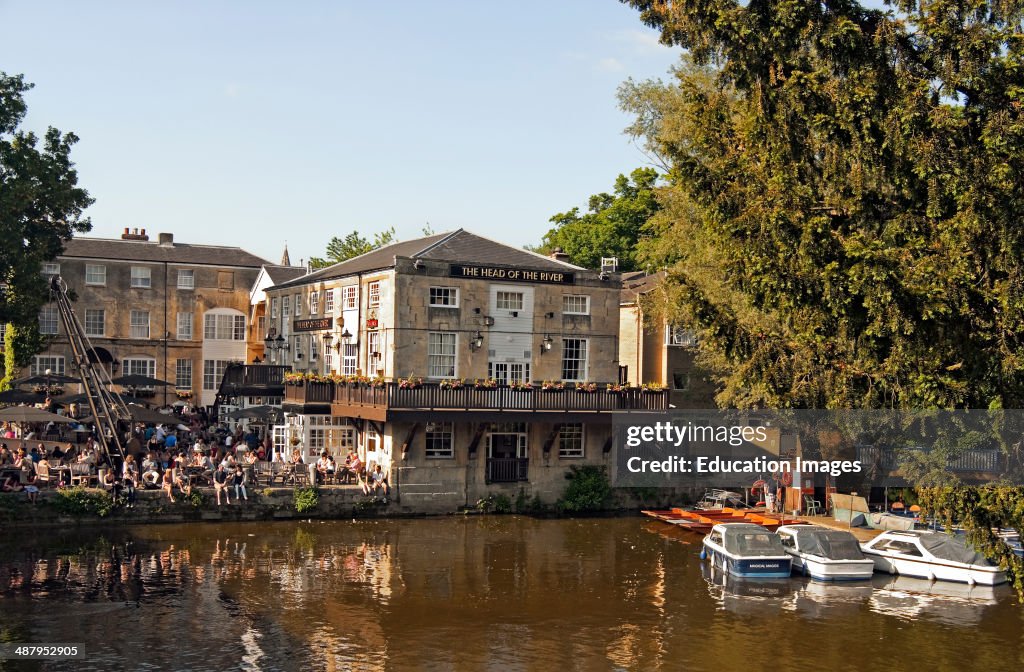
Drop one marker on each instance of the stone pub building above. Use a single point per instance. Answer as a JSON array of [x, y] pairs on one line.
[[431, 357]]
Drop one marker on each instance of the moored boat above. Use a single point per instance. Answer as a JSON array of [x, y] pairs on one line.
[[747, 550], [931, 555], [825, 554]]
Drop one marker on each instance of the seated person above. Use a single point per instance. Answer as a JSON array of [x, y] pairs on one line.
[[378, 480], [168, 483], [150, 472], [321, 468]]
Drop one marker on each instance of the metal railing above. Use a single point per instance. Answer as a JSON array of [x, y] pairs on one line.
[[507, 469]]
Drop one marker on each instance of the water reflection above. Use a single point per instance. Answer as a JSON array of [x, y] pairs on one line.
[[466, 594]]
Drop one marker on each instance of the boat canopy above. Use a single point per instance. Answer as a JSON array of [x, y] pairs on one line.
[[746, 540], [945, 547], [831, 544]]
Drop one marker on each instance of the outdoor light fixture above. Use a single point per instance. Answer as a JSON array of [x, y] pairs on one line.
[[488, 321], [545, 345], [346, 336], [282, 342], [477, 342]]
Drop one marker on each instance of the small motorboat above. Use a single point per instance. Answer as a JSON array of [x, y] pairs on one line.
[[935, 556], [747, 550], [825, 554]]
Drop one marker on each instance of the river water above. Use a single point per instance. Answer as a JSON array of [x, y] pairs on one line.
[[478, 593]]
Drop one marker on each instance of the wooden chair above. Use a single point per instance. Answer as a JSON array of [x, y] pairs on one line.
[[81, 474], [300, 476], [43, 475]]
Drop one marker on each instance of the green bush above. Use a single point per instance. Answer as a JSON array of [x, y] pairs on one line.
[[78, 501], [588, 490], [196, 499], [502, 504], [306, 499]]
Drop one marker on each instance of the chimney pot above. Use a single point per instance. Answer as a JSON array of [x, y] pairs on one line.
[[166, 239]]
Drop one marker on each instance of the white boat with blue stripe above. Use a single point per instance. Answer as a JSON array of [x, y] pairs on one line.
[[747, 550], [825, 554]]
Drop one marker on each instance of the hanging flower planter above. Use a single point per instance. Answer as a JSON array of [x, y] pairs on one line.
[[586, 388], [552, 386]]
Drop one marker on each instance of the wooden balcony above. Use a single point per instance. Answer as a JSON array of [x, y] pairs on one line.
[[262, 380], [433, 402]]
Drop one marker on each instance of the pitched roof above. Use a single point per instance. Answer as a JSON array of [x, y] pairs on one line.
[[153, 251], [279, 274], [636, 283], [456, 246]]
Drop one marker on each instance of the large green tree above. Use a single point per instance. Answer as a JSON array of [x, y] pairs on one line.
[[842, 221], [41, 207], [352, 245], [611, 227], [841, 225]]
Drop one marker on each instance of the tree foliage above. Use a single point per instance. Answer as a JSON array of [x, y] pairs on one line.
[[41, 207], [841, 222], [352, 245], [611, 227]]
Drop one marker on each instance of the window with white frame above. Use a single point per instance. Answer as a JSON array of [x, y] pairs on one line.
[[373, 294], [95, 322], [139, 324], [329, 301], [42, 363], [317, 440], [297, 348], [221, 327], [441, 354], [298, 305], [213, 372], [350, 297], [439, 444], [348, 362], [273, 306], [183, 374], [680, 336], [95, 274], [48, 320], [314, 303], [186, 278], [184, 326], [141, 277], [314, 352], [372, 444], [328, 360], [50, 268], [509, 300], [373, 353], [286, 307], [570, 440], [574, 359], [346, 437], [139, 366], [444, 297], [576, 304]]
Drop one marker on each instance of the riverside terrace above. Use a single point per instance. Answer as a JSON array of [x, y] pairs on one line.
[[384, 401]]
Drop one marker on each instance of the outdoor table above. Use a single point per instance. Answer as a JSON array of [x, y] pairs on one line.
[[59, 472]]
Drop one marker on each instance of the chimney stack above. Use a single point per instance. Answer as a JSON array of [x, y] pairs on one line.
[[609, 264], [166, 239], [134, 234], [558, 255]]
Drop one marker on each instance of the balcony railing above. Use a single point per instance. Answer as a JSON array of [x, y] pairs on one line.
[[255, 375], [434, 397], [507, 470]]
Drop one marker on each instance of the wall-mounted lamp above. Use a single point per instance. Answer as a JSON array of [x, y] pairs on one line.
[[477, 341], [545, 345], [488, 321]]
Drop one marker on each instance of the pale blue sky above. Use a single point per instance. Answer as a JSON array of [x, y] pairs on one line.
[[249, 123]]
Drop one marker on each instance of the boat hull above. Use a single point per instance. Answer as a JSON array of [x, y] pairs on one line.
[[936, 571], [760, 567], [833, 570]]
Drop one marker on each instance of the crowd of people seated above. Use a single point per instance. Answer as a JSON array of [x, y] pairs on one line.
[[174, 457]]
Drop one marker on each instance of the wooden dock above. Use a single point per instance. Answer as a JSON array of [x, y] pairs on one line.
[[862, 533]]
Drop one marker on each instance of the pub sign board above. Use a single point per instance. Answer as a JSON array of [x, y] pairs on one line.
[[510, 274], [315, 324]]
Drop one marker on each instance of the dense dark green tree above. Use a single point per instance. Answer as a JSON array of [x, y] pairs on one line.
[[842, 221], [841, 226], [41, 207], [612, 225], [352, 245]]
